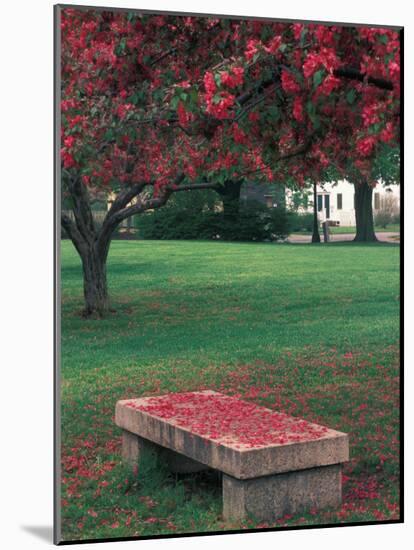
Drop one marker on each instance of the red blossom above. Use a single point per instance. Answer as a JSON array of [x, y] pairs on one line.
[[74, 121], [289, 83], [238, 134], [394, 70], [365, 145], [233, 79], [297, 30], [219, 108], [123, 109], [298, 113], [67, 159], [387, 134], [329, 84], [251, 50], [183, 115], [69, 141], [253, 116], [210, 84], [326, 58], [274, 45]]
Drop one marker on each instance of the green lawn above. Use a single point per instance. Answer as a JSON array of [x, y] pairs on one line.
[[309, 330], [392, 228]]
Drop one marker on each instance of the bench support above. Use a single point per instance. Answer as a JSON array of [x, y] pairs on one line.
[[134, 446], [271, 497]]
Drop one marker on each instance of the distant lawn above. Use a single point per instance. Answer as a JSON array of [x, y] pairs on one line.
[[309, 330], [349, 229], [392, 228]]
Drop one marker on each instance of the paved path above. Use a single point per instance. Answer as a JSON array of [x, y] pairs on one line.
[[381, 236]]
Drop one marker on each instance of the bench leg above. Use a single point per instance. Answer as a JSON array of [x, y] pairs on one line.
[[271, 497], [134, 446]]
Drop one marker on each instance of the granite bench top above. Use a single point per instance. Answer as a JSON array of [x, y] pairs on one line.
[[237, 437]]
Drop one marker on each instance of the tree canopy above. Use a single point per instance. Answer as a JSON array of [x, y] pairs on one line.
[[149, 98]]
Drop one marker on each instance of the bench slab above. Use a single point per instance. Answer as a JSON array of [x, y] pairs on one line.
[[239, 438]]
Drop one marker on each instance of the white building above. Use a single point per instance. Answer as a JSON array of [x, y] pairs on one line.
[[336, 202]]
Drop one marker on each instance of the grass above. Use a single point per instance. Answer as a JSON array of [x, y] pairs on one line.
[[392, 228], [309, 330]]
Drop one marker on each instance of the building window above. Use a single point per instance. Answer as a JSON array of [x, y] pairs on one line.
[[327, 204], [320, 203], [339, 201], [376, 201]]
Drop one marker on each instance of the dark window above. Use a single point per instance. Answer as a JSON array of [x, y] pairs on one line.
[[327, 204], [376, 201], [339, 201], [319, 203]]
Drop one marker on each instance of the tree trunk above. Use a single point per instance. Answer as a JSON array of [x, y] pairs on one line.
[[95, 288], [316, 238], [363, 213], [230, 195]]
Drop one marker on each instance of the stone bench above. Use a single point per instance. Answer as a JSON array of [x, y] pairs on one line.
[[272, 464]]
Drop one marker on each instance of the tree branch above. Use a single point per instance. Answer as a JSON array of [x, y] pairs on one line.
[[300, 151], [125, 197], [194, 186], [81, 208], [73, 233], [355, 74]]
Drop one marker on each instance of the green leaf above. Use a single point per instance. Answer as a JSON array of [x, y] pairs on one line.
[[109, 134], [317, 78], [303, 37], [311, 110], [274, 112], [351, 96], [194, 96], [175, 101], [374, 128]]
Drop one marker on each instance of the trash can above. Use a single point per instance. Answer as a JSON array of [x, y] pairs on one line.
[[325, 228]]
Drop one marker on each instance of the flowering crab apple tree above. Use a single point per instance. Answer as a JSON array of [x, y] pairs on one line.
[[153, 105]]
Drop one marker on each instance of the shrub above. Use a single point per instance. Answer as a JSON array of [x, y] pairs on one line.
[[383, 218], [196, 216], [301, 222], [251, 223], [388, 212], [183, 217]]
